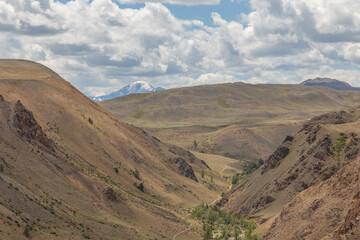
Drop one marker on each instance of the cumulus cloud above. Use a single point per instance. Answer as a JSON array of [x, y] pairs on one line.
[[212, 78], [99, 46], [177, 2]]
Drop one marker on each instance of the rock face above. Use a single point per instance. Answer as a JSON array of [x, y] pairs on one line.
[[24, 123], [184, 168], [327, 210], [335, 118], [275, 158], [310, 157]]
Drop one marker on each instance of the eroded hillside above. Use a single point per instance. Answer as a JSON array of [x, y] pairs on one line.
[[328, 210], [324, 146]]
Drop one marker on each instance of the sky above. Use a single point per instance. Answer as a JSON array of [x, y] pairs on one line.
[[102, 45]]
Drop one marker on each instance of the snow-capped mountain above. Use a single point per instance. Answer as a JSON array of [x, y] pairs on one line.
[[135, 87]]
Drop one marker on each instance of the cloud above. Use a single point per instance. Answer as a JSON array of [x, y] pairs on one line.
[[212, 78], [176, 2], [99, 46]]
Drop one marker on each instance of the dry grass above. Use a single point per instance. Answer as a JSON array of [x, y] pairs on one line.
[[236, 120]]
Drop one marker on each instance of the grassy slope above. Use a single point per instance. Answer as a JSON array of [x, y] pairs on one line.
[[236, 120], [196, 105]]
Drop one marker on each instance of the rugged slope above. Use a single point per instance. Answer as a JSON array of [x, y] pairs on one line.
[[255, 117], [328, 210], [68, 167], [314, 154]]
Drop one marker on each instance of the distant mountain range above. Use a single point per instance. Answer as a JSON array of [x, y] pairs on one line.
[[144, 87], [330, 83], [135, 87]]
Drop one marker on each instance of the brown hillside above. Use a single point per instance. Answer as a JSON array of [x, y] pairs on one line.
[[328, 210], [68, 166], [313, 155], [236, 120]]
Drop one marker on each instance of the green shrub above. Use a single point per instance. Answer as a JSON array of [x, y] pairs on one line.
[[27, 231], [90, 121], [247, 170], [195, 144], [136, 174], [229, 225], [208, 232], [140, 186]]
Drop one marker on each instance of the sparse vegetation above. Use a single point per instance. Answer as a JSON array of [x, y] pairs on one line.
[[140, 186], [52, 127], [136, 174], [86, 236], [222, 103], [195, 144], [1, 168], [116, 170], [27, 230], [218, 224], [138, 114], [338, 146]]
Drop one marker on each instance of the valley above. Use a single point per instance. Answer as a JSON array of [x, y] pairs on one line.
[[296, 179], [298, 153], [179, 120], [69, 169]]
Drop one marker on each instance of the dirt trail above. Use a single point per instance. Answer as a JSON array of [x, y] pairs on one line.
[[227, 166], [183, 231]]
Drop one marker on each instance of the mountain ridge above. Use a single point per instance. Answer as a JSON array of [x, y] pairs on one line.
[[330, 83], [237, 120]]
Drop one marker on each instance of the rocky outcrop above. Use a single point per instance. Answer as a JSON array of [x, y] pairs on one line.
[[335, 118], [186, 154], [274, 160], [24, 124], [184, 168], [310, 157], [328, 210], [110, 194]]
